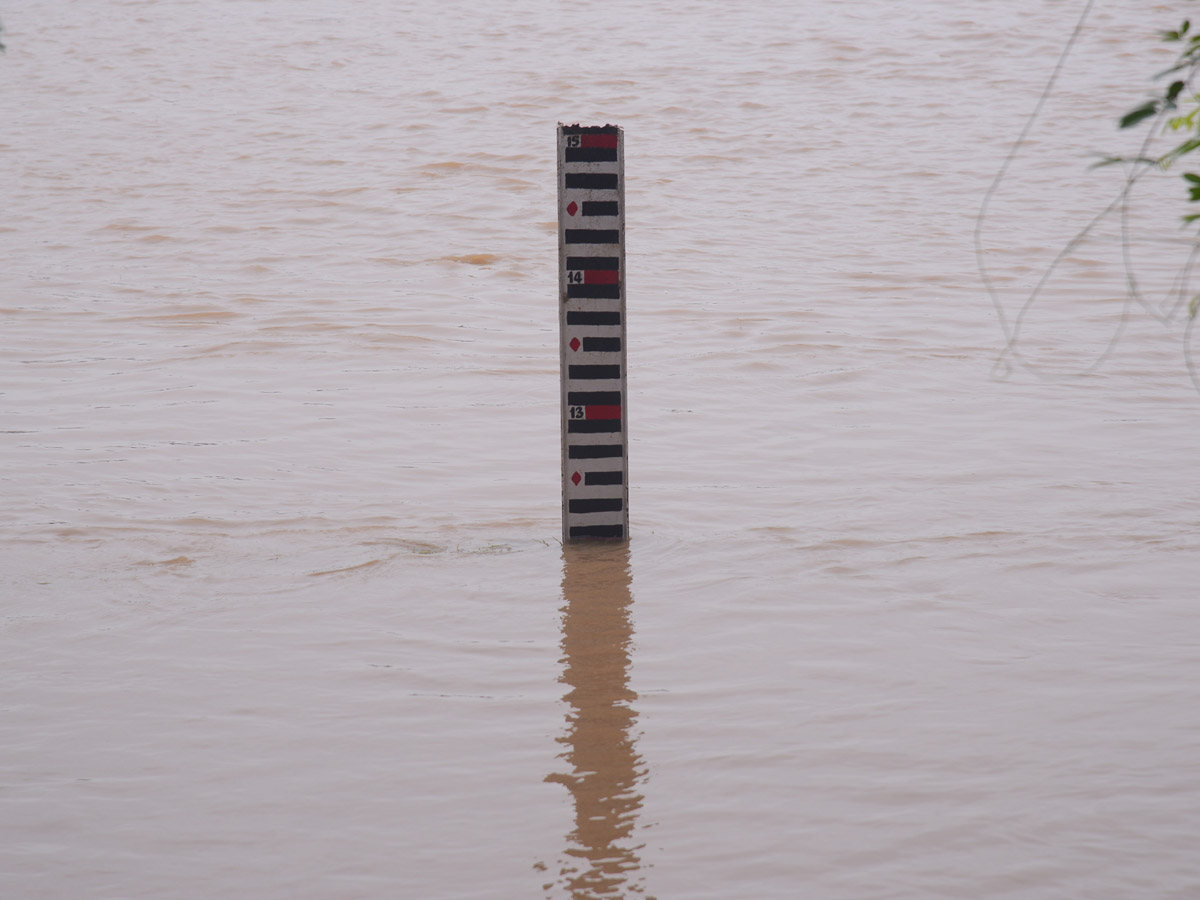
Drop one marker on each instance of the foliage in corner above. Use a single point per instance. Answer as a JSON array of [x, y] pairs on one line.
[[1175, 109], [1186, 121]]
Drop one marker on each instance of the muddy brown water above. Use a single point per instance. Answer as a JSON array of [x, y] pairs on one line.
[[284, 610]]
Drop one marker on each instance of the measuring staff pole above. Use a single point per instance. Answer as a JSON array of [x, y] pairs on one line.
[[591, 317]]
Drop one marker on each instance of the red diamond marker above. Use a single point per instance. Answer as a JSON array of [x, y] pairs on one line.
[[575, 478], [572, 208], [574, 343]]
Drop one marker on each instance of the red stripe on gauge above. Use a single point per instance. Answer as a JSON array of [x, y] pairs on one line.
[[598, 140], [599, 276], [603, 412]]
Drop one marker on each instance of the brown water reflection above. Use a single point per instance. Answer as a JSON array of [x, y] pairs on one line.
[[600, 859]]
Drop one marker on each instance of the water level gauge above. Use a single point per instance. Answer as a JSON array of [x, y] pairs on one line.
[[591, 288]]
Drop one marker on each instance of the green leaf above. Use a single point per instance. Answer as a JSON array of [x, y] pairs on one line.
[[1173, 91], [1182, 150], [1144, 111], [1113, 160], [1194, 179], [1187, 220], [1194, 306]]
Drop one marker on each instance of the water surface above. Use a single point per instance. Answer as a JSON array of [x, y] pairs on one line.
[[284, 613]]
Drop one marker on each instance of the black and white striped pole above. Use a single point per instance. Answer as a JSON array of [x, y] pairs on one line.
[[591, 289]]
